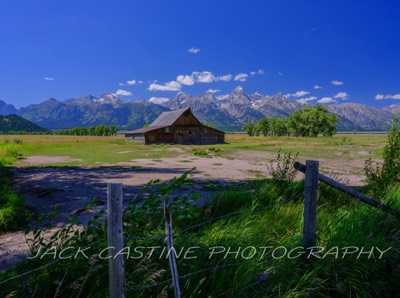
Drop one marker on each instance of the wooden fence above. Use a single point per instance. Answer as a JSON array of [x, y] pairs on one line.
[[115, 234], [311, 169]]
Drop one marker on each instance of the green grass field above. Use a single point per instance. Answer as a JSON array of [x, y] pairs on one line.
[[92, 150], [97, 150]]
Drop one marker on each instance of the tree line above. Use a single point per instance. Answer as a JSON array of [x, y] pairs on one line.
[[309, 121], [98, 130]]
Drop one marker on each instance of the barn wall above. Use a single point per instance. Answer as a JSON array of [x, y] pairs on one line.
[[211, 136], [187, 118], [160, 136]]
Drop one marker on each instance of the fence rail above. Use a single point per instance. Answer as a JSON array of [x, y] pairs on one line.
[[347, 190]]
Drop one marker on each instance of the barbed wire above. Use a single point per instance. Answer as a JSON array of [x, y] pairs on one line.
[[29, 272], [139, 288], [206, 222], [225, 216], [46, 265]]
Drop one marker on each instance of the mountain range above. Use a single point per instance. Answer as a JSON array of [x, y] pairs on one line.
[[228, 112]]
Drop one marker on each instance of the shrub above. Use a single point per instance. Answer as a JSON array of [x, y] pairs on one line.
[[18, 141], [214, 149], [12, 207], [12, 151], [381, 176], [199, 152], [281, 168]]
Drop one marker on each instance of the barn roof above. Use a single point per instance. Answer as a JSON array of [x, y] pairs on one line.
[[164, 120], [144, 129], [168, 118]]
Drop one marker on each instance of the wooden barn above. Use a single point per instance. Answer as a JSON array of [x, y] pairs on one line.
[[177, 127]]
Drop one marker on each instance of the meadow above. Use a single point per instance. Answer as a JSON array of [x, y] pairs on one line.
[[96, 150], [261, 213]]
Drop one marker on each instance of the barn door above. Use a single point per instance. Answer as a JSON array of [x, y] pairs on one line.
[[196, 138], [151, 138], [186, 138], [179, 138]]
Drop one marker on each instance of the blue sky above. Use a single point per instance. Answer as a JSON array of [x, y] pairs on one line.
[[312, 50]]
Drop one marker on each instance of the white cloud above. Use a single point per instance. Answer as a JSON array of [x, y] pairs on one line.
[[305, 100], [159, 100], [242, 77], [258, 72], [326, 100], [317, 87], [336, 83], [387, 96], [170, 86], [222, 97], [194, 50], [225, 78], [298, 94], [302, 101], [393, 96], [196, 77], [342, 95], [212, 91], [203, 77], [185, 80], [121, 92], [48, 79], [131, 82]]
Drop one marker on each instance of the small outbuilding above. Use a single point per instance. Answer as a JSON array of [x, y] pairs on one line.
[[177, 127]]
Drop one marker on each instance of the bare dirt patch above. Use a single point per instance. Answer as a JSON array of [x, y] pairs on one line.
[[347, 169]]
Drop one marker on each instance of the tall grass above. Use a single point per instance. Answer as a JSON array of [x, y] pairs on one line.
[[340, 224]]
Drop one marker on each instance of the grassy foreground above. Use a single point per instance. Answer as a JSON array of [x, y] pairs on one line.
[[256, 252]]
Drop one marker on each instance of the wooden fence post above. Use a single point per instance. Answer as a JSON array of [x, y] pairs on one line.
[[171, 251], [347, 190], [310, 204], [115, 240]]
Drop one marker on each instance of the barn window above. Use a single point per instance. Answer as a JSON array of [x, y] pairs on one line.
[[167, 129]]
